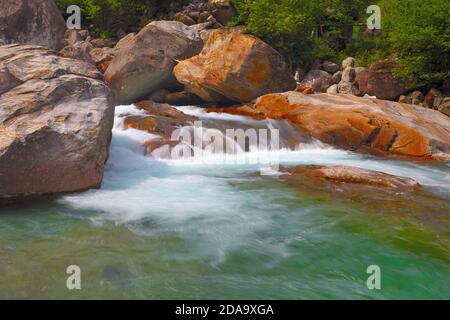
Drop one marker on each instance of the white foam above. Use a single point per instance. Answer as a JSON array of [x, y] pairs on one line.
[[197, 198]]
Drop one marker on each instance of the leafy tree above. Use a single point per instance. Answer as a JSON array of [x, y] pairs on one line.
[[417, 32], [291, 26], [107, 16], [284, 24]]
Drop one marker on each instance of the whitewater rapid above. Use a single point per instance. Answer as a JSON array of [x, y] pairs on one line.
[[160, 228], [136, 184]]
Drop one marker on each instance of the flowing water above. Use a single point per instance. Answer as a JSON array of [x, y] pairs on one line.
[[178, 229]]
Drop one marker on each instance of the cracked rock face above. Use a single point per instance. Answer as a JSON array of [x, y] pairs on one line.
[[56, 117]]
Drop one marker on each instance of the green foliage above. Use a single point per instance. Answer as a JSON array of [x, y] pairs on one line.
[[107, 16], [417, 32], [288, 25], [283, 24]]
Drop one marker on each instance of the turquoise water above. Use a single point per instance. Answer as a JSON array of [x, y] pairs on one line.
[[162, 229]]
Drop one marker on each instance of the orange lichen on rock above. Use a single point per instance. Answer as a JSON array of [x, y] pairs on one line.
[[103, 66], [144, 123], [155, 144], [305, 90], [359, 123], [234, 67]]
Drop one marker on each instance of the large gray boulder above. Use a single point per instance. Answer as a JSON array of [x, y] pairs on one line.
[[144, 62], [56, 117], [31, 22]]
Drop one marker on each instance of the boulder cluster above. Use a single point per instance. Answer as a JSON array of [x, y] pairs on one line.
[[58, 89], [377, 80]]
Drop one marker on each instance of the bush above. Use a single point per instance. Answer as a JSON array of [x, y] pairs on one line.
[[285, 24], [417, 32], [289, 25], [105, 17]]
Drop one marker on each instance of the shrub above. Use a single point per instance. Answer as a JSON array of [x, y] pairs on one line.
[[105, 17], [417, 32]]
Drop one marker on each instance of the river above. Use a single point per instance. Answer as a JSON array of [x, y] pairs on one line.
[[177, 229]]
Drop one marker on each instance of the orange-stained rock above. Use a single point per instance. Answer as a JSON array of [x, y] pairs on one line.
[[234, 67], [244, 110], [376, 191], [144, 123], [306, 90], [103, 66], [164, 110], [352, 175], [152, 145], [360, 124], [160, 119]]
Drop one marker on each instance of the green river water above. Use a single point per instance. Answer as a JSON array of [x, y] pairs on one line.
[[159, 229]]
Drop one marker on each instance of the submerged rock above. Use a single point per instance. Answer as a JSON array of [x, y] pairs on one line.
[[144, 62], [160, 119], [361, 124], [56, 117], [31, 22], [373, 190], [234, 67], [351, 175]]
